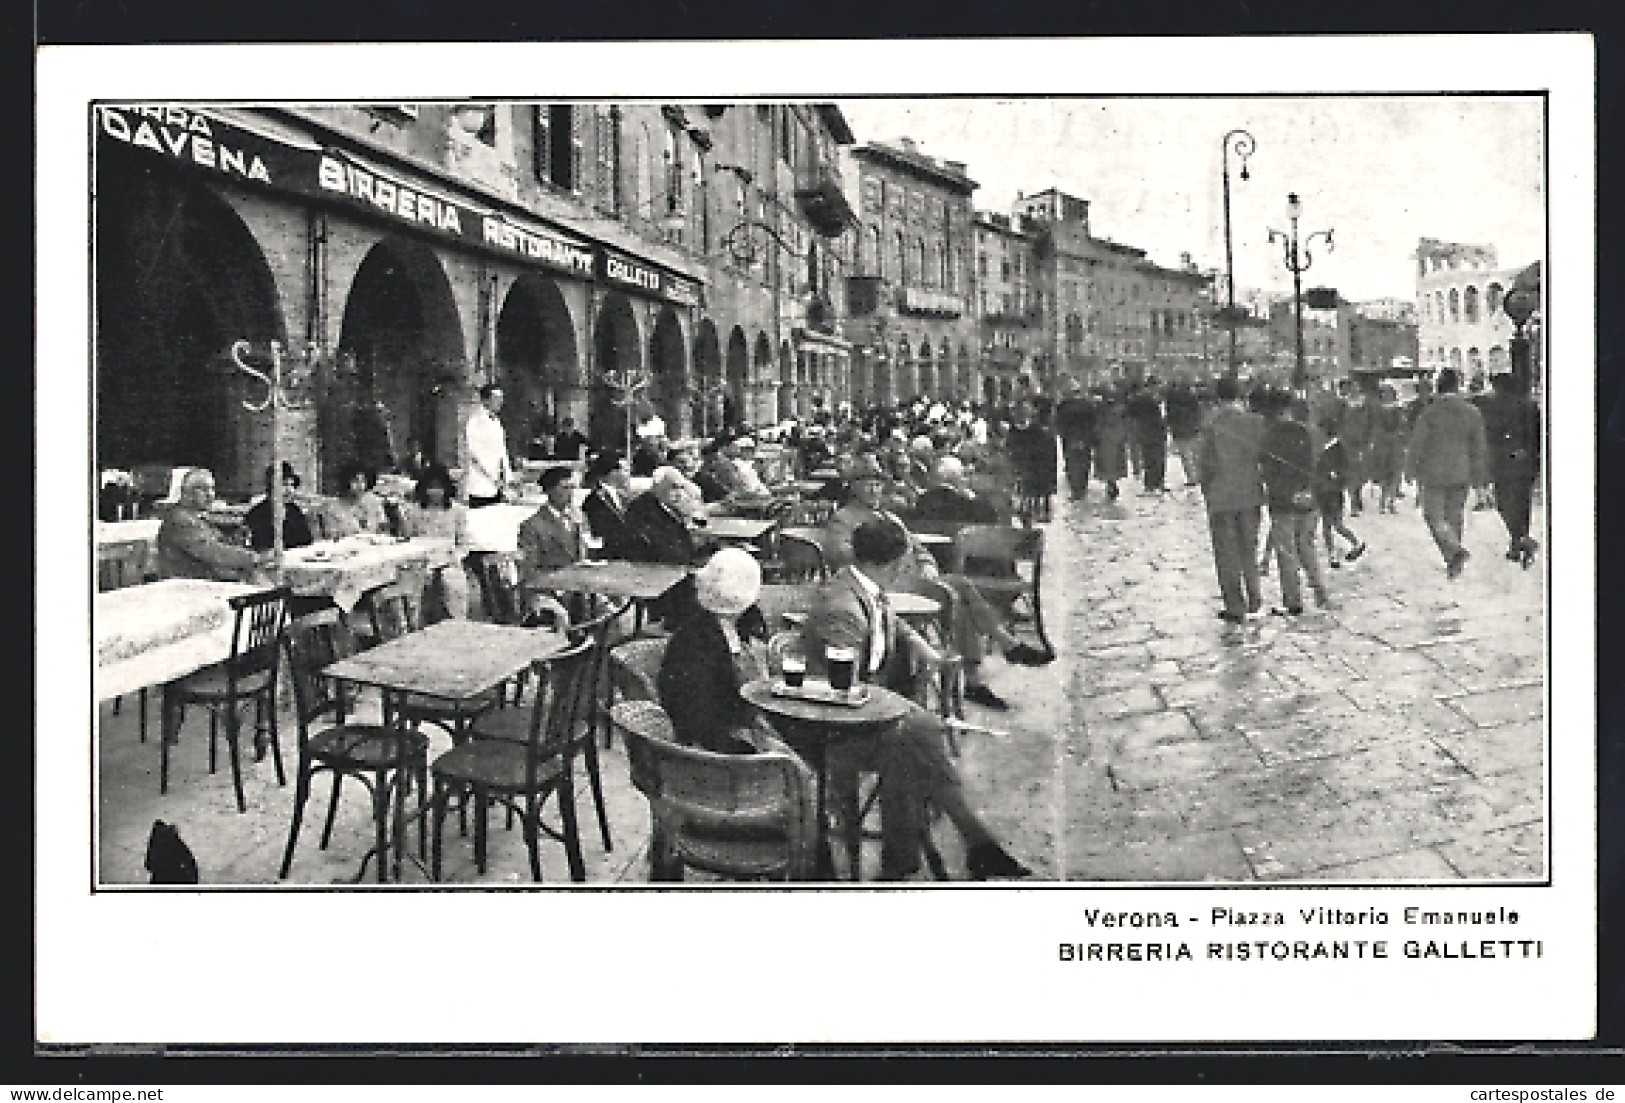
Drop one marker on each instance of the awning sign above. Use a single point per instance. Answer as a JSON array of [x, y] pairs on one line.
[[623, 271], [208, 142], [201, 141]]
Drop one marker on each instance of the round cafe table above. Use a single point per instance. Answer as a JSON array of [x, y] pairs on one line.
[[812, 726]]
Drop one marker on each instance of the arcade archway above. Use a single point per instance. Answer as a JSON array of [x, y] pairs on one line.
[[670, 389], [708, 372], [179, 278], [536, 361], [401, 363], [617, 347], [738, 379]]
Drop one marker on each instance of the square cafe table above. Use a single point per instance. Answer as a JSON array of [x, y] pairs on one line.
[[455, 660], [346, 569], [614, 578]]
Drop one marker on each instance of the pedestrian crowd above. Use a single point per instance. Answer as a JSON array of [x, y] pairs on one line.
[[1308, 460]]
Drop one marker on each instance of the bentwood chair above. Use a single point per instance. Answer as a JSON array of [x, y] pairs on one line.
[[521, 760], [384, 758], [599, 633], [249, 674], [742, 816], [801, 557], [1006, 564]]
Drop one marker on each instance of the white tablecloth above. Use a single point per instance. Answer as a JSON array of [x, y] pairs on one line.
[[345, 569], [495, 528], [152, 634], [143, 531]]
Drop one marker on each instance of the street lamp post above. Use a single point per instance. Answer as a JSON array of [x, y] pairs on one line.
[[1243, 144], [1298, 260]]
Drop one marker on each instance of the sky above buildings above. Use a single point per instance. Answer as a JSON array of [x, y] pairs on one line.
[[1381, 171]]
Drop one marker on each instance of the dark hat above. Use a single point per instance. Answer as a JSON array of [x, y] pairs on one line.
[[289, 475], [602, 464]]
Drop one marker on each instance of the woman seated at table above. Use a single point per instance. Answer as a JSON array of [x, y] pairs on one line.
[[711, 654], [434, 513], [295, 527], [357, 509]]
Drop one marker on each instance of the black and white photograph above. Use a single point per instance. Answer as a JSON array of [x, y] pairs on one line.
[[1039, 529]]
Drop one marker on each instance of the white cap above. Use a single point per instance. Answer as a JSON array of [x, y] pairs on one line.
[[730, 583]]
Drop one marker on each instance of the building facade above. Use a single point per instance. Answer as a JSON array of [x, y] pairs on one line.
[[1109, 311], [1007, 309], [404, 254], [1344, 341], [911, 288], [1459, 290]]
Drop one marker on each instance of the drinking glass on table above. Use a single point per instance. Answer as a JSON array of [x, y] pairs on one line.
[[843, 666]]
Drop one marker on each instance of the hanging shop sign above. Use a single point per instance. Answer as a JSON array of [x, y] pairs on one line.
[[623, 271]]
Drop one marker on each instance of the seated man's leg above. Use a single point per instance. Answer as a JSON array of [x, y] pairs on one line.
[[914, 767]]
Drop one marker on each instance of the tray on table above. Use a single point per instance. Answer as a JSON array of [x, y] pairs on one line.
[[822, 693]]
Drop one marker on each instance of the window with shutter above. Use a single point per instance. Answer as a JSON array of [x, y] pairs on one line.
[[577, 144], [542, 143]]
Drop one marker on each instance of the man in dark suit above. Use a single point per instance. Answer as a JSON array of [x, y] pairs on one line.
[[552, 537], [569, 443], [611, 481], [658, 520], [851, 611], [949, 499], [1512, 430], [1227, 465]]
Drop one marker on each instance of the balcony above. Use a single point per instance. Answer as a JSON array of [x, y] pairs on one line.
[[823, 203], [939, 304]]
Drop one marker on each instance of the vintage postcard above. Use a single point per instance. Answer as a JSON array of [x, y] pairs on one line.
[[1065, 541]]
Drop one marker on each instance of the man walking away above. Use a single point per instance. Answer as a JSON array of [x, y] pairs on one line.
[[1447, 457], [1512, 430], [1227, 465], [1329, 479], [1359, 425], [1184, 423], [1287, 464], [1151, 431], [1075, 422]]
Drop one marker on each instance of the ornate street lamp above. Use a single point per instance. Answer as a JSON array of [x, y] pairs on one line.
[[1298, 261], [1520, 304], [1243, 144]]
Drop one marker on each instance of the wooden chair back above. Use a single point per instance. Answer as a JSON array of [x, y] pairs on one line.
[[395, 610], [801, 557], [256, 635], [561, 719]]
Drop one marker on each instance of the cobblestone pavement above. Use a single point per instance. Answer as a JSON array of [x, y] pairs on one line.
[[1398, 735]]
